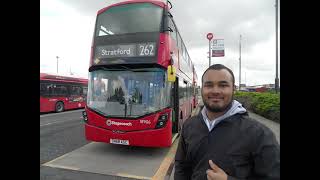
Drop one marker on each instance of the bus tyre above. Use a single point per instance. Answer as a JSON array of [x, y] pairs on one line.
[[59, 106]]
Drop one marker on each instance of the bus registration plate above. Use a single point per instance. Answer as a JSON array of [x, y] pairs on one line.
[[119, 141]]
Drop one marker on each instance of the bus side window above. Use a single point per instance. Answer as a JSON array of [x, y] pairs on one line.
[[84, 91], [50, 89], [42, 89], [75, 90], [174, 33], [182, 91], [185, 92], [64, 90], [59, 90], [179, 44]]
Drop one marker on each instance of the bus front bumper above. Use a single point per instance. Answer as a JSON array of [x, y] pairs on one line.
[[147, 138]]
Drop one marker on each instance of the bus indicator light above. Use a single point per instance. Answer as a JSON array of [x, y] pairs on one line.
[[171, 73]]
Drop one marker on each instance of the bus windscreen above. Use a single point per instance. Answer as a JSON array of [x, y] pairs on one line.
[[128, 93]]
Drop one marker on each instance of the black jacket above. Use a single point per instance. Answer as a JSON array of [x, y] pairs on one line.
[[241, 146]]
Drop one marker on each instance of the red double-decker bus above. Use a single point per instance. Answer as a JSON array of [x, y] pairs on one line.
[[140, 88], [59, 93]]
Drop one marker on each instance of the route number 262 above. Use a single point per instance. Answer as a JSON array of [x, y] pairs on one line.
[[146, 50]]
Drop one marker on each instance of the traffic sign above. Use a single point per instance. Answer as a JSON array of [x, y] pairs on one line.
[[217, 48], [209, 36]]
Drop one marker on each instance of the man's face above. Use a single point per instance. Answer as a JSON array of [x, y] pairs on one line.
[[217, 90]]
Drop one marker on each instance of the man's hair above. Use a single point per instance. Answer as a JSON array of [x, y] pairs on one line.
[[219, 67]]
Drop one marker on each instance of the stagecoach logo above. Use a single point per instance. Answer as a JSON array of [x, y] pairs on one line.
[[109, 123]]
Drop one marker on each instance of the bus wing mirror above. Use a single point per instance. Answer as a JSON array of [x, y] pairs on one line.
[[169, 29], [170, 4], [171, 73]]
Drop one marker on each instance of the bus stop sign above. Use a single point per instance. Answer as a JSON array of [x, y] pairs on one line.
[[209, 36]]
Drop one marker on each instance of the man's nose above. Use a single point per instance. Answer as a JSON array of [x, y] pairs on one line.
[[215, 89]]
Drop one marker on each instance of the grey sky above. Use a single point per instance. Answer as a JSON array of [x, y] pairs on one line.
[[227, 19]]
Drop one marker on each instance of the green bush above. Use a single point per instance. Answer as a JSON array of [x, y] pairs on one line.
[[266, 104]]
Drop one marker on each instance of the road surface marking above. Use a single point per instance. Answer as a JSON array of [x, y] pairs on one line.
[[132, 176], [174, 138], [60, 157], [56, 122], [167, 161], [62, 167], [49, 163], [50, 123], [66, 112]]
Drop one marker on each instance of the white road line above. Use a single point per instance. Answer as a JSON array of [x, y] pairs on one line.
[[49, 163], [62, 167], [132, 176], [55, 122], [46, 115], [50, 123]]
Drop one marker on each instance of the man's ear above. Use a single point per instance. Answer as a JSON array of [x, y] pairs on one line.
[[234, 89]]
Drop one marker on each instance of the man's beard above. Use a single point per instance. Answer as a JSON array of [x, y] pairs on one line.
[[216, 109]]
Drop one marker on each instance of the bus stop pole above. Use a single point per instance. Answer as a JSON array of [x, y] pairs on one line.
[[209, 53], [209, 37]]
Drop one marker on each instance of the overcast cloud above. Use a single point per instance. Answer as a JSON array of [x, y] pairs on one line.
[[66, 29]]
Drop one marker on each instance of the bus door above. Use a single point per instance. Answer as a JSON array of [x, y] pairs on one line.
[[175, 115]]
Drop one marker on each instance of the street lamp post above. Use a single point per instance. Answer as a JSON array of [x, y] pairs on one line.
[[240, 62], [57, 63], [277, 79]]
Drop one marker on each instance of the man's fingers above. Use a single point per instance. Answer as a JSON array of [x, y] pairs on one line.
[[210, 174], [214, 167]]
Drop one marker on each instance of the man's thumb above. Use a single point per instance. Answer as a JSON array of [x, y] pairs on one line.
[[214, 167]]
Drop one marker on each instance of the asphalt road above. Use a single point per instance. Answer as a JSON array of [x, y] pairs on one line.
[[61, 133]]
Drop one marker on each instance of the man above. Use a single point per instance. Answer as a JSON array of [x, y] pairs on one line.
[[222, 142]]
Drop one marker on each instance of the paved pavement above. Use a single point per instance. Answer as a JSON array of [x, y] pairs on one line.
[[274, 126]]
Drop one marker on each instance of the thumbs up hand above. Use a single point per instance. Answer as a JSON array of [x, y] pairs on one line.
[[215, 173]]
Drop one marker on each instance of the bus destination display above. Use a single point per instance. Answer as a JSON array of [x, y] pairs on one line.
[[128, 50]]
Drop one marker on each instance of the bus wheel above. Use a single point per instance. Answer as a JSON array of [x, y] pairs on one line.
[[59, 106]]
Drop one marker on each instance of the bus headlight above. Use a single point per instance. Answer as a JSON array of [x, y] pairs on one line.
[[163, 118], [84, 115]]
